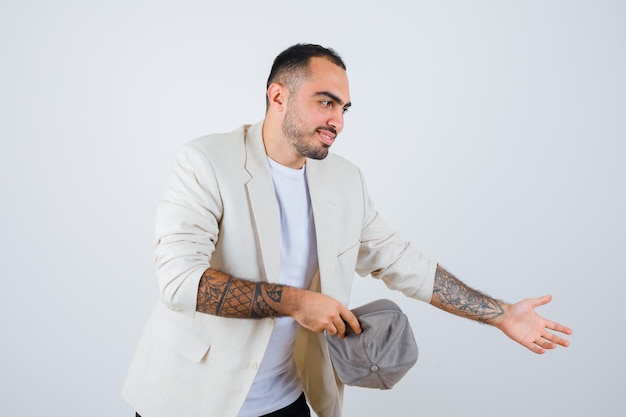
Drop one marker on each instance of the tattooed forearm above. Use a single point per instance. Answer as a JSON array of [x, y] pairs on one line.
[[453, 296], [222, 295]]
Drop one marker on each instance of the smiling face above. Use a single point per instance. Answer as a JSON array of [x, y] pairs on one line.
[[313, 111]]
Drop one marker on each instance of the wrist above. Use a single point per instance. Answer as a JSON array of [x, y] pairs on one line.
[[498, 319], [292, 301]]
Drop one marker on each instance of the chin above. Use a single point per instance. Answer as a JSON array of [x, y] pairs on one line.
[[313, 152], [319, 153], [318, 156]]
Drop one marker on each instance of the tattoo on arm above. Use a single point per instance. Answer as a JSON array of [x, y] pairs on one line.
[[222, 295], [453, 296]]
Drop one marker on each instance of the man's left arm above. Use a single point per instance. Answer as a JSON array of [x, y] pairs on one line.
[[518, 321]]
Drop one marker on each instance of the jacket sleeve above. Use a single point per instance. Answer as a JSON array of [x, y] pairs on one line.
[[187, 228], [384, 255]]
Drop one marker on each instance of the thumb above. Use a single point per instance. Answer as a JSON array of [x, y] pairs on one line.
[[543, 300]]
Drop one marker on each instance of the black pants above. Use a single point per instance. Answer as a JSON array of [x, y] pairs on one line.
[[298, 408]]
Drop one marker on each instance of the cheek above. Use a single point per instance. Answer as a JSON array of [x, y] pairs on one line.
[[321, 117]]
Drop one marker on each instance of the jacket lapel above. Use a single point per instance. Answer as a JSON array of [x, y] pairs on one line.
[[324, 206], [263, 202]]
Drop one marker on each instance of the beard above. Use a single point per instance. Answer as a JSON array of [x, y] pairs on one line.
[[297, 135]]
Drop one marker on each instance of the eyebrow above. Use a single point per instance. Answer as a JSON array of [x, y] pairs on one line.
[[333, 97]]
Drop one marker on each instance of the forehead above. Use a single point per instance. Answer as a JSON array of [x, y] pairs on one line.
[[326, 76]]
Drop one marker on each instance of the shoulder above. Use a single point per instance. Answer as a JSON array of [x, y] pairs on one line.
[[208, 144], [218, 148]]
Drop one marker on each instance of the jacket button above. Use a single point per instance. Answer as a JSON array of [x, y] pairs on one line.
[[254, 366]]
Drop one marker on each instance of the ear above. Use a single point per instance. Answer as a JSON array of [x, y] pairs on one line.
[[277, 95]]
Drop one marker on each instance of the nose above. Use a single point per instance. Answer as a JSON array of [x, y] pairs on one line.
[[336, 119]]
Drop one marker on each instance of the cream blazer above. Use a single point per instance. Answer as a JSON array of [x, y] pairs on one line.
[[219, 209]]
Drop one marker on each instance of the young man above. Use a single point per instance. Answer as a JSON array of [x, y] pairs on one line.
[[259, 234]]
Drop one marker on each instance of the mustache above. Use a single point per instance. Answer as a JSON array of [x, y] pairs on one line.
[[329, 128]]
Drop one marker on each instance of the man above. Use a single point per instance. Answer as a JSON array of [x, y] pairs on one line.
[[259, 234]]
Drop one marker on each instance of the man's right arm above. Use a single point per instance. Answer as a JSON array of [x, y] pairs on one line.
[[222, 295]]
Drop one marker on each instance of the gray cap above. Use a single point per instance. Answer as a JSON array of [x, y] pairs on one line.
[[382, 354]]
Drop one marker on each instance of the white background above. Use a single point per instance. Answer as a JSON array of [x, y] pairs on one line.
[[491, 134]]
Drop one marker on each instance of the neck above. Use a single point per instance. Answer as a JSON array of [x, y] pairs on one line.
[[277, 148]]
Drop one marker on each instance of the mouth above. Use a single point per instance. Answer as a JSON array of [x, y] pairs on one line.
[[327, 135]]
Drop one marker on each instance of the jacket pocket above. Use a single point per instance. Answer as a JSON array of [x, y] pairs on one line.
[[188, 336]]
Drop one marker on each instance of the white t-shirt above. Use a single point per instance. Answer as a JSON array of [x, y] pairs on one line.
[[277, 384]]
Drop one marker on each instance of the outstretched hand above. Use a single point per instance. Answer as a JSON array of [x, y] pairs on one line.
[[522, 324]]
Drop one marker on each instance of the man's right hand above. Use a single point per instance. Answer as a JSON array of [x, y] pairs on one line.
[[319, 312]]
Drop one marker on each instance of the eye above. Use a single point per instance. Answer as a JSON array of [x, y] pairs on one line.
[[326, 103], [345, 110]]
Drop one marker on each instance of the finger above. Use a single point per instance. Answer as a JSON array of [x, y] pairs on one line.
[[331, 330], [558, 327], [545, 344], [535, 348], [555, 339], [341, 328], [349, 317]]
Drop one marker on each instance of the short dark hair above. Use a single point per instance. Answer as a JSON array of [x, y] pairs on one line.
[[292, 64]]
